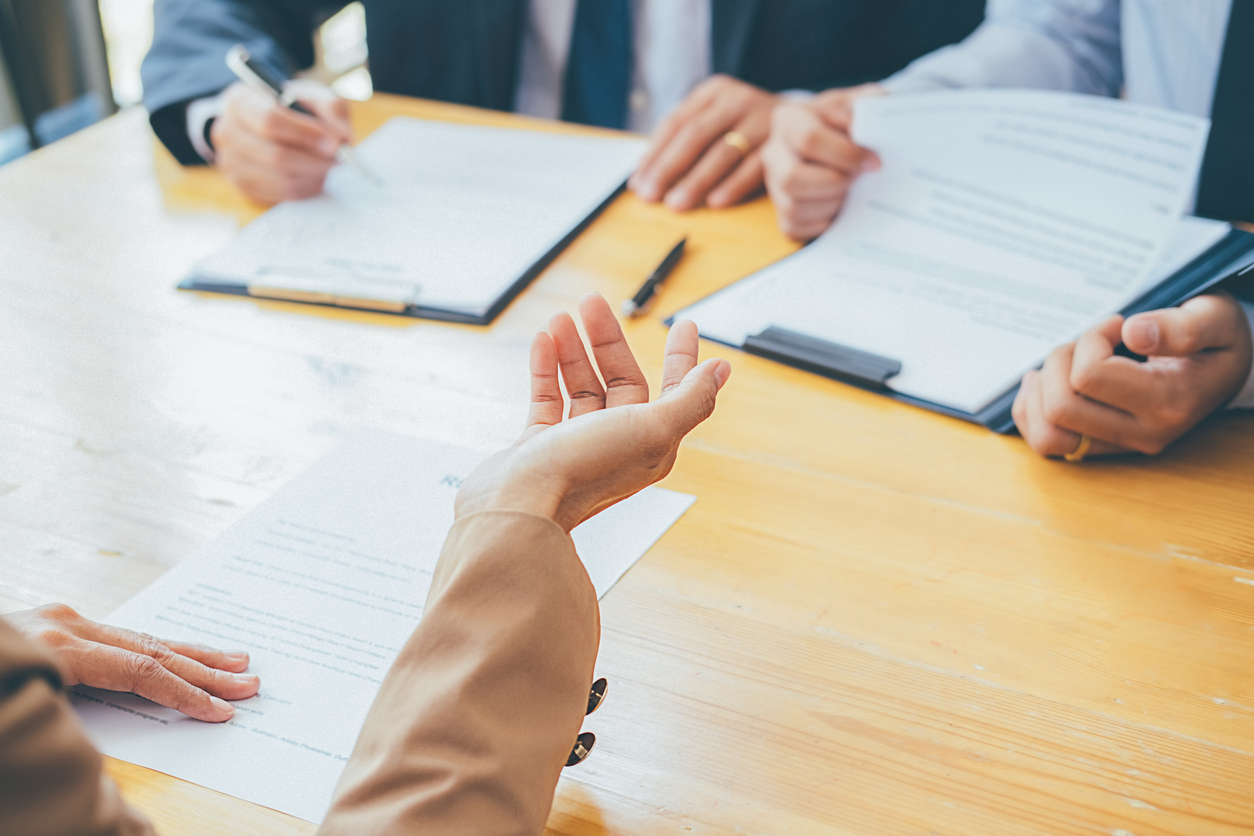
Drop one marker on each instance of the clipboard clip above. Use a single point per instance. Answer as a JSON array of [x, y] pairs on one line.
[[861, 368]]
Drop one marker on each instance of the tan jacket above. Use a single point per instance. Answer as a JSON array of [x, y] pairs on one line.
[[468, 734]]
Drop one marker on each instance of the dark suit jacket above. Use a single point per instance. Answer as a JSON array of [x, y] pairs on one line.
[[468, 51]]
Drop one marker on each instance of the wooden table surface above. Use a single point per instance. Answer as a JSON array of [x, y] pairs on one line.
[[874, 620]]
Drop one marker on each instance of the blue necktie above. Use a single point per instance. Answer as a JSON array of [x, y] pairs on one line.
[[598, 69]]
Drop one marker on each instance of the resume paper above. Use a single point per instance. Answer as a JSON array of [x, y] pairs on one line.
[[1002, 224], [322, 584]]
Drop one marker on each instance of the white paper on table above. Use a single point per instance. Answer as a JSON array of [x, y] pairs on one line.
[[322, 584], [464, 211], [1002, 224], [1191, 237]]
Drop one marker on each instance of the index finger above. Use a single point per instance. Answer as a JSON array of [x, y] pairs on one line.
[[815, 141], [1099, 374], [297, 130], [1205, 322], [696, 101], [686, 147]]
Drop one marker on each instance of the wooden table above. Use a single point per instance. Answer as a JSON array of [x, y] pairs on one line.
[[874, 620]]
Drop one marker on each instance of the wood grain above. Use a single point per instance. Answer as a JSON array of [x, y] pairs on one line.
[[874, 620]]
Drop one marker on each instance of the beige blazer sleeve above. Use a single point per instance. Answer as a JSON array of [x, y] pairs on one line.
[[52, 781], [474, 722]]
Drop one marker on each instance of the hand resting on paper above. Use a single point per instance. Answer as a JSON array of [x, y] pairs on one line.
[[273, 153], [690, 164], [811, 161], [614, 442], [190, 678], [1198, 358]]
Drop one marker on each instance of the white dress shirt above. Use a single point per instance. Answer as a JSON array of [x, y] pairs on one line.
[[672, 55], [1158, 52], [672, 50]]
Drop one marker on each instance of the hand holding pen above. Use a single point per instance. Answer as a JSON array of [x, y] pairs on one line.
[[274, 152]]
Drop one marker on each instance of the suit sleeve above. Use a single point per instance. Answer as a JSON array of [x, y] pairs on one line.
[[474, 722], [190, 39], [52, 781], [1051, 44]]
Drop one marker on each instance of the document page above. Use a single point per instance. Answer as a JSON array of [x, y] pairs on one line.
[[462, 213], [1001, 224], [322, 584]]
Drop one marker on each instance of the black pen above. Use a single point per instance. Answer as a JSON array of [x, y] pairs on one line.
[[259, 78], [639, 304]]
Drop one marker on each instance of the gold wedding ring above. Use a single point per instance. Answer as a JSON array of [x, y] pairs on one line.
[[737, 140], [1081, 450]]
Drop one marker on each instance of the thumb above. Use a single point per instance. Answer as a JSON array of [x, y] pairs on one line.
[[692, 401], [1202, 323]]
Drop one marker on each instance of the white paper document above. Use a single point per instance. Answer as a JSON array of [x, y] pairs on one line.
[[322, 584], [463, 212], [1002, 224]]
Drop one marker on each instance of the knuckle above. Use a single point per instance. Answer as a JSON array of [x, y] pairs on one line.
[[792, 179], [810, 142], [1190, 336], [272, 124], [59, 612], [1055, 410], [142, 669]]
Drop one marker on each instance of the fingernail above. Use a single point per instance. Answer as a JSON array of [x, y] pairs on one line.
[[871, 163], [722, 372], [244, 677], [677, 201], [329, 146], [223, 705], [1142, 335], [237, 656]]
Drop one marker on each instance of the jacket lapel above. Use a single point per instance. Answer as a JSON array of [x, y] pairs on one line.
[[730, 25]]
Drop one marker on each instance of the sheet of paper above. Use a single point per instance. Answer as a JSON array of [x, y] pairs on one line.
[[322, 584], [1191, 237], [1002, 223], [464, 212]]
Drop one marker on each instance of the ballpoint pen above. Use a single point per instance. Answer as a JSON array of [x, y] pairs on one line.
[[259, 78], [640, 303]]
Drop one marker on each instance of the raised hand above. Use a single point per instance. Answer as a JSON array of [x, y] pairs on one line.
[[614, 442], [190, 678], [1199, 356]]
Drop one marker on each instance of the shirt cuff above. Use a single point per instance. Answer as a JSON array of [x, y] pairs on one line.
[[199, 113], [1245, 398]]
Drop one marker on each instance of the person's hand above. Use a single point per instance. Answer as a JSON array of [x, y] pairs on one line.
[[187, 677], [1199, 357], [689, 163], [271, 152], [811, 161], [615, 442]]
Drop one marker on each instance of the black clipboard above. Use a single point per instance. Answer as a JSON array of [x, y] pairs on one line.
[[1229, 261], [421, 311]]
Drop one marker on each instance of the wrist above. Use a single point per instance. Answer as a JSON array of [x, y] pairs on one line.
[[499, 484]]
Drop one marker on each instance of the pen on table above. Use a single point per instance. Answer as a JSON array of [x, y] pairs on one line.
[[259, 78], [639, 304]]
